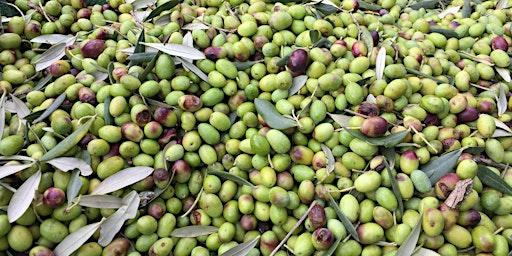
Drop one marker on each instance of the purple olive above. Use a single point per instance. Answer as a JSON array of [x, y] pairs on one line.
[[298, 61], [93, 48], [317, 217], [87, 95], [499, 43], [322, 239], [374, 126], [54, 197]]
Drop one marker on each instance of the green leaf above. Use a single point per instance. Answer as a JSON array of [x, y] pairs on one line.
[[387, 141], [429, 4], [270, 115], [115, 222], [474, 150], [190, 66], [54, 53], [100, 201], [76, 239], [54, 106], [42, 83], [323, 43], [17, 106], [232, 177], [425, 252], [2, 114], [66, 144], [23, 197], [408, 246], [416, 72], [468, 56], [194, 231], [395, 189], [70, 163], [110, 70], [164, 7], [12, 169], [493, 180], [448, 33], [122, 179], [244, 65], [368, 6], [243, 248], [74, 186], [142, 56], [435, 169], [106, 111], [139, 48], [314, 35], [149, 67], [342, 120], [389, 154], [284, 60], [333, 247], [297, 84], [344, 220], [367, 38], [504, 74], [466, 9], [330, 158]]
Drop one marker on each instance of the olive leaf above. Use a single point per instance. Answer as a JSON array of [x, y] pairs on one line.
[[194, 231], [231, 177], [502, 4], [450, 10], [194, 26], [52, 39], [240, 66], [188, 40], [389, 154], [394, 187], [436, 168], [178, 50], [344, 220], [137, 4], [501, 101], [504, 73], [76, 239], [493, 180], [157, 103], [106, 111], [42, 83], [368, 6], [474, 150], [425, 252], [74, 186], [54, 106], [70, 163], [408, 246], [416, 72], [54, 53], [500, 133], [164, 7], [325, 8], [466, 9], [193, 68], [468, 56], [149, 67], [333, 247], [99, 201], [142, 56], [387, 141], [314, 35], [366, 37], [17, 106], [23, 197], [284, 60], [243, 248], [429, 4], [12, 169], [297, 83], [68, 142], [2, 114], [342, 120], [330, 158], [115, 222], [122, 179], [270, 115]]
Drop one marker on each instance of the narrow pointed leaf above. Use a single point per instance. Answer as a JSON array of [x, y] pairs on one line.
[[23, 197], [466, 55], [330, 158], [502, 102], [342, 120], [42, 83], [493, 180], [195, 69], [504, 73], [314, 35], [367, 38], [389, 154], [244, 65], [243, 248], [284, 60], [115, 222], [270, 115], [2, 115], [178, 50], [56, 52], [408, 246], [12, 169], [55, 105], [164, 7], [429, 4], [466, 9], [122, 179], [142, 56], [109, 120], [17, 158], [474, 150], [69, 142], [387, 141], [370, 98], [368, 6], [76, 239], [50, 39], [149, 67], [70, 163], [395, 189], [416, 72], [188, 40], [500, 133], [137, 4], [502, 4], [435, 169], [333, 247], [231, 177], [344, 220], [501, 125], [100, 201], [74, 186], [451, 10], [194, 26], [297, 84], [19, 107], [425, 252], [194, 231]]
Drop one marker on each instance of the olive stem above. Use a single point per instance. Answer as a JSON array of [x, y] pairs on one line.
[[490, 162], [498, 231], [423, 139], [304, 216], [194, 204], [270, 161]]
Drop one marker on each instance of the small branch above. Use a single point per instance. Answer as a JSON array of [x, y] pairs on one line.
[[489, 162]]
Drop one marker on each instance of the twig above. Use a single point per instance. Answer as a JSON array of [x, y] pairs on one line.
[[489, 162]]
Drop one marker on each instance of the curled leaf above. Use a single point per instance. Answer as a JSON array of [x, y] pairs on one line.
[[231, 177], [194, 231], [501, 125], [23, 197], [70, 163], [243, 248], [425, 252], [122, 179], [100, 201], [270, 115], [297, 83], [437, 168], [493, 180], [408, 246], [76, 239]]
